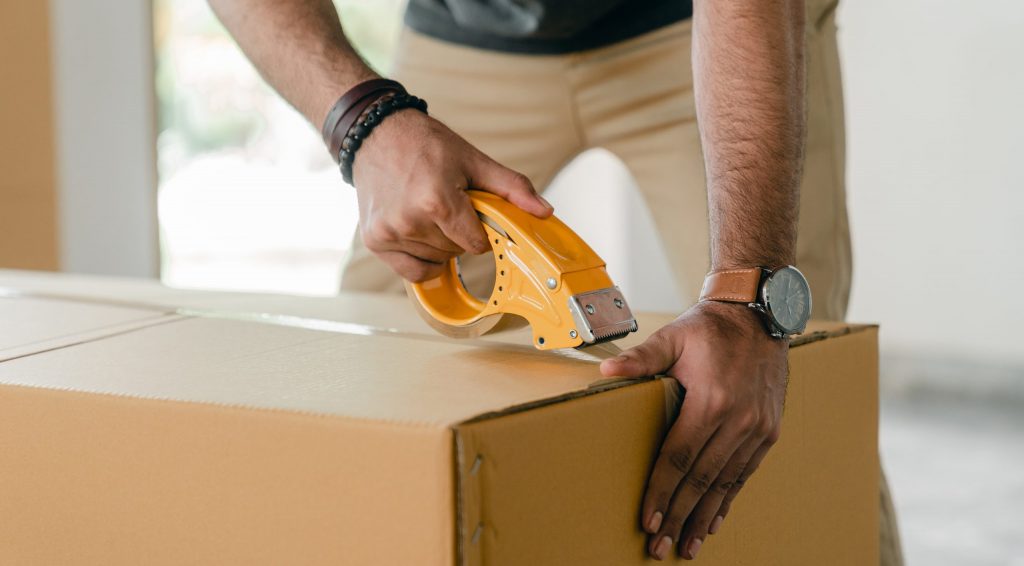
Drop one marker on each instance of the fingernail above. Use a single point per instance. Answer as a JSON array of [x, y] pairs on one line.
[[618, 359], [664, 545], [716, 524], [654, 523], [545, 201], [694, 547]]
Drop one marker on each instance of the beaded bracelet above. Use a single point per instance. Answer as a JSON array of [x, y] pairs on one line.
[[350, 108], [373, 116]]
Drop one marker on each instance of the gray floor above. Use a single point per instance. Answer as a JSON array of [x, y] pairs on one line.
[[956, 467]]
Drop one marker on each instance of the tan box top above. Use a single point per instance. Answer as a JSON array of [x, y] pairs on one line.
[[31, 325], [365, 357]]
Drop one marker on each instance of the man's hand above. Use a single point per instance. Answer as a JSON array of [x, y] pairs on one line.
[[411, 173], [411, 176], [734, 376]]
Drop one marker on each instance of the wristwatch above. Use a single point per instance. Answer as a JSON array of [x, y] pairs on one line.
[[781, 295]]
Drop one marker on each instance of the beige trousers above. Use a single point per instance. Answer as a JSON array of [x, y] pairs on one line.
[[534, 114], [635, 99]]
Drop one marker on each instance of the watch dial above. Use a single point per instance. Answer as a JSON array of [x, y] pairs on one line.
[[788, 299]]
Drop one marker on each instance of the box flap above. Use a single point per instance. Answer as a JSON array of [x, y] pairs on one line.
[[377, 312], [369, 309], [31, 325], [383, 377], [333, 365]]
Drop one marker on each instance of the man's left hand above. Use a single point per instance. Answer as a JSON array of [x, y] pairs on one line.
[[734, 376]]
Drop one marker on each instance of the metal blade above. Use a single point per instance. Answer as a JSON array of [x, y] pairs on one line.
[[594, 353]]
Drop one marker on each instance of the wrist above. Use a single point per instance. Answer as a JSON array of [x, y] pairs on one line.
[[350, 108], [400, 133], [780, 296], [328, 95], [374, 115], [741, 317]]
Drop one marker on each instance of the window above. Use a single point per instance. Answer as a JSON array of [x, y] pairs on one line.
[[248, 198]]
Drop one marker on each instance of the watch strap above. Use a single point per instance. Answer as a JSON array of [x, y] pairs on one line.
[[732, 285]]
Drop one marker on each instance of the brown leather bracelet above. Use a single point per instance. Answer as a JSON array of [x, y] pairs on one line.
[[351, 116], [347, 109]]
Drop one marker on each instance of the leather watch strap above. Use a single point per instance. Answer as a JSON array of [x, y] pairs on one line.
[[732, 285]]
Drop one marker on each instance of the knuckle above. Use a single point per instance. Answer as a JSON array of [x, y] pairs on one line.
[[719, 404], [521, 181], [435, 206], [378, 234], [403, 228], [749, 421], [371, 240], [770, 429], [723, 486], [680, 460], [699, 481]]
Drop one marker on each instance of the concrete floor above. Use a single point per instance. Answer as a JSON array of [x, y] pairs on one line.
[[956, 468]]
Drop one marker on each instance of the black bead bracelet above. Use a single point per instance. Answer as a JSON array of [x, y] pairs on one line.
[[373, 116]]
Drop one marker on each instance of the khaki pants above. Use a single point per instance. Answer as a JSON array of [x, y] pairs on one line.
[[534, 114]]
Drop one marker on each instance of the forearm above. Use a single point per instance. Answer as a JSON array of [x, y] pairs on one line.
[[748, 59], [299, 48]]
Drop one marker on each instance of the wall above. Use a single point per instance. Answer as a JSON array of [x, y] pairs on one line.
[[934, 91], [103, 76]]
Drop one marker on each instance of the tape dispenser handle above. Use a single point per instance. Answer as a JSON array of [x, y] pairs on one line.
[[537, 263]]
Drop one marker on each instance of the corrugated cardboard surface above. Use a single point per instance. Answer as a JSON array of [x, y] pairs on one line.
[[213, 440], [102, 479], [355, 312], [31, 325], [572, 476], [28, 191]]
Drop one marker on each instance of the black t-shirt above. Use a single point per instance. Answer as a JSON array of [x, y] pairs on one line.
[[542, 26]]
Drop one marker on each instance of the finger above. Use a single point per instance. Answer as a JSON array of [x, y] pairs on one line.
[[433, 237], [435, 207], [654, 356], [737, 485], [419, 250], [462, 226], [488, 175], [698, 525], [411, 268], [416, 235], [679, 452], [717, 451]]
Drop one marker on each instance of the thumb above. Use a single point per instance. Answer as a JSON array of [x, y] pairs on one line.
[[654, 356], [488, 175]]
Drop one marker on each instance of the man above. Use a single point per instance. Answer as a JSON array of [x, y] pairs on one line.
[[530, 85]]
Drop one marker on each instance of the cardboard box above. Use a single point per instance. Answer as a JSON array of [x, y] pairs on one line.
[[29, 237], [270, 436]]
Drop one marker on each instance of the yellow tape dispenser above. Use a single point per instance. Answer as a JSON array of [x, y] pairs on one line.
[[544, 273]]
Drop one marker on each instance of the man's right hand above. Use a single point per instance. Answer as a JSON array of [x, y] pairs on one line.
[[411, 176]]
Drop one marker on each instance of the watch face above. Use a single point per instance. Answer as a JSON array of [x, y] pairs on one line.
[[787, 299]]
